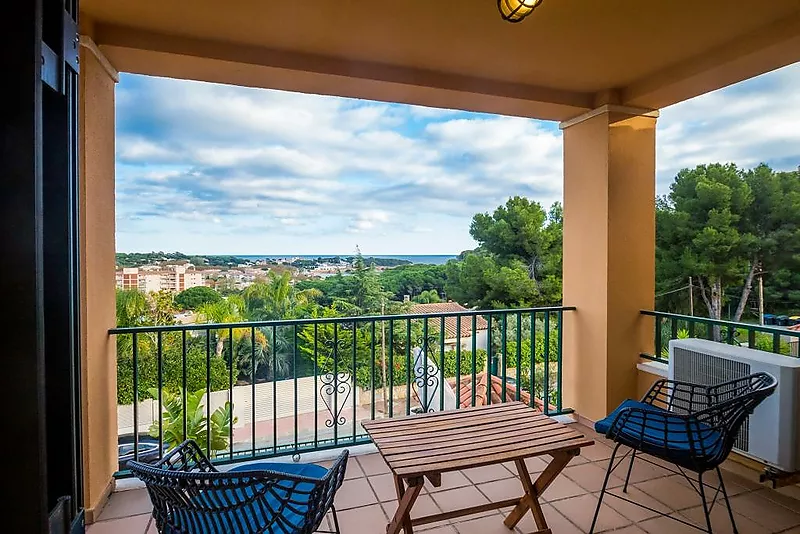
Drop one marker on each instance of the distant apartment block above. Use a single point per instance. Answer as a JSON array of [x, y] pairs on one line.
[[174, 278]]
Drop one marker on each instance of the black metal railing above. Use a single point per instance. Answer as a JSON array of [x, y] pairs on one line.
[[260, 389], [675, 326]]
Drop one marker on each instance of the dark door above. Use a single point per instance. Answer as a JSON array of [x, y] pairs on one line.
[[41, 469]]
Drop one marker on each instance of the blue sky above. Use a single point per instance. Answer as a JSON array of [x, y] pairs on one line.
[[205, 168]]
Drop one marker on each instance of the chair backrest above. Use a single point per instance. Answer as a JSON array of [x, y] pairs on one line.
[[190, 495], [730, 403]]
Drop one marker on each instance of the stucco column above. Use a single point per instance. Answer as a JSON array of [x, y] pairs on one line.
[[609, 254], [97, 263]]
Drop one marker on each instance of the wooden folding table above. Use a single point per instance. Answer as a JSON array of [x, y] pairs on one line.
[[420, 447]]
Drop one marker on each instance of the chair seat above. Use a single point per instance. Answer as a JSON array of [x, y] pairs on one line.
[[287, 500], [656, 435]]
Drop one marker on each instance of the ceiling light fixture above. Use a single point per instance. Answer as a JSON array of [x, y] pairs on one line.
[[516, 10]]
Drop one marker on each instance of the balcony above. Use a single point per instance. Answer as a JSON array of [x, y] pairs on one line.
[[312, 405], [298, 386]]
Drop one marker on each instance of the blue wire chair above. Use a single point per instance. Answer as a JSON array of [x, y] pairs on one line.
[[689, 425], [190, 496]]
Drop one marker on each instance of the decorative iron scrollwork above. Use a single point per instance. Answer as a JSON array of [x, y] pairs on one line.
[[337, 388], [426, 376]]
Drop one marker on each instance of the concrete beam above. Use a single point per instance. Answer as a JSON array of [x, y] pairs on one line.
[[768, 48], [143, 52]]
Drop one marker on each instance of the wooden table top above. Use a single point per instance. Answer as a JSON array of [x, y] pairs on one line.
[[472, 437]]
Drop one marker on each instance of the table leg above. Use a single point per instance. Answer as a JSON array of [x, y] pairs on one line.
[[405, 501], [533, 490]]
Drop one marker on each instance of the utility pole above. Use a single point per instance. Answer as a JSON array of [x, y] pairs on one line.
[[761, 298], [691, 297]]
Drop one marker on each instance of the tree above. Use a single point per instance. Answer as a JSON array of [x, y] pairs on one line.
[[228, 310], [520, 230], [701, 231], [194, 297], [724, 226], [276, 298], [427, 297], [413, 279], [773, 218], [518, 260], [366, 292]]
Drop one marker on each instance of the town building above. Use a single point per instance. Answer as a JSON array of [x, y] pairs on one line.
[[150, 279]]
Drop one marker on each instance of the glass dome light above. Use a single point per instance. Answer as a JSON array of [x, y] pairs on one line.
[[516, 10]]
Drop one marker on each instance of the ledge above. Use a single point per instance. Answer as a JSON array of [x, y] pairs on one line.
[[654, 368]]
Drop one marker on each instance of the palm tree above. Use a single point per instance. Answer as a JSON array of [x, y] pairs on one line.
[[227, 310], [276, 298]]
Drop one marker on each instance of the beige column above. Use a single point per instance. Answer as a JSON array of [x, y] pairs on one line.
[[97, 297], [609, 254]]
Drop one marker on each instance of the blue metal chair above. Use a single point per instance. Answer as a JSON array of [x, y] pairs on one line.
[[691, 426], [190, 496]]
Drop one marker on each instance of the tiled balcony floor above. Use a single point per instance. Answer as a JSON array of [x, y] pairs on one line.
[[367, 500]]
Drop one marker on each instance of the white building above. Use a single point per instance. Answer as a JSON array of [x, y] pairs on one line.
[[174, 278]]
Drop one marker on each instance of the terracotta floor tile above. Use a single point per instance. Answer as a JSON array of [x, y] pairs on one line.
[[365, 519], [664, 525], [558, 523], [126, 503], [580, 511], [734, 485], [384, 488], [455, 499], [488, 524], [500, 490], [631, 511], [373, 464], [642, 471], [590, 477], [487, 473], [454, 479], [762, 510], [786, 498], [445, 529], [423, 506], [536, 464], [631, 529], [561, 488], [720, 521], [671, 491], [597, 452], [353, 493], [136, 524]]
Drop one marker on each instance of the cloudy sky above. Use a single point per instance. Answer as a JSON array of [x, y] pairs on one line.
[[205, 168]]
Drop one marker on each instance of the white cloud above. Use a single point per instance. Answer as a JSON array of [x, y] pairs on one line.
[[232, 169]]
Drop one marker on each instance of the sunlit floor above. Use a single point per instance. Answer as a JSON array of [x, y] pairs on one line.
[[367, 500]]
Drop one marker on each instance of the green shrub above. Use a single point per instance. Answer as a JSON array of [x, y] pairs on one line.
[[172, 367]]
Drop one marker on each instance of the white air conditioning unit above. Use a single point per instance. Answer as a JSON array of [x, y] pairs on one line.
[[772, 433]]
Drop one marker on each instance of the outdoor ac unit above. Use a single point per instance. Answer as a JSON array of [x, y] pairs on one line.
[[772, 433]]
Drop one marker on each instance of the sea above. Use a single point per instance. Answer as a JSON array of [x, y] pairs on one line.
[[430, 259]]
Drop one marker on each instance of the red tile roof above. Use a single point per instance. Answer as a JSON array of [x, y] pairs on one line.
[[450, 322], [496, 390]]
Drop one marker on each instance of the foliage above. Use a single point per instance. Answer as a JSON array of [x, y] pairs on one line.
[[722, 226], [138, 259], [427, 297], [194, 297], [413, 279], [211, 436], [276, 298], [518, 261], [172, 368]]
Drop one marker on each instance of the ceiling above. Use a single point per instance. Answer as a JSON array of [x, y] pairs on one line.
[[571, 53]]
